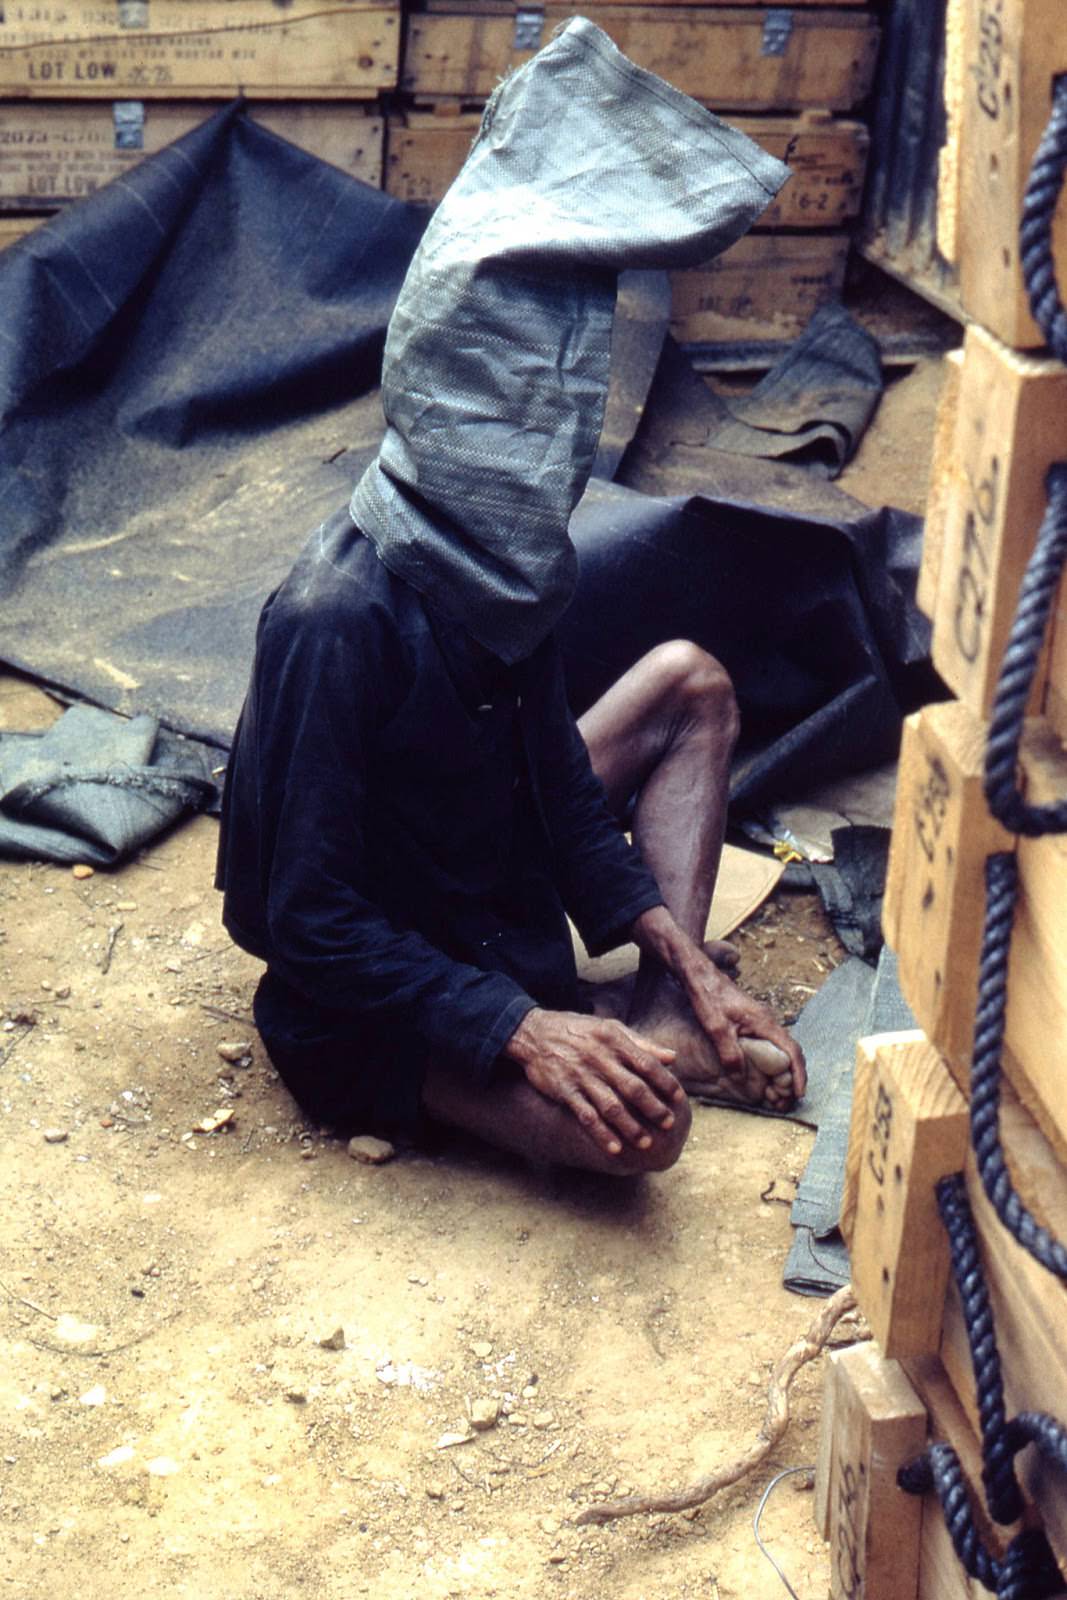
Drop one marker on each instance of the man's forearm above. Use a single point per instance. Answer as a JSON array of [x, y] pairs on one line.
[[657, 934]]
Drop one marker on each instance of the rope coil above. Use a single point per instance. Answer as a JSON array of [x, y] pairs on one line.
[[1028, 1570]]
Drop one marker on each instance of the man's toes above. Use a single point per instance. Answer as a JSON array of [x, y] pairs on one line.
[[726, 956], [765, 1057]]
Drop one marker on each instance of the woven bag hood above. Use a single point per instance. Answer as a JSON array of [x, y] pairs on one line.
[[497, 355]]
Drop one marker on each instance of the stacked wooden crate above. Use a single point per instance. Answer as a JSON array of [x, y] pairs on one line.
[[1003, 423], [90, 87], [783, 75]]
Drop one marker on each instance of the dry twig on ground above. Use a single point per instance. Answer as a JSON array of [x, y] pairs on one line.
[[775, 1422]]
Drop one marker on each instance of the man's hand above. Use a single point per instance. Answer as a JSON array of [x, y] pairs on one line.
[[607, 1075], [724, 1012], [728, 1015]]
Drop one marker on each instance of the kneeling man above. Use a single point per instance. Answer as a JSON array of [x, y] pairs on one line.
[[411, 810]]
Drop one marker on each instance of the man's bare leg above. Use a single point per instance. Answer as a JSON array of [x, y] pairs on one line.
[[666, 733], [512, 1115]]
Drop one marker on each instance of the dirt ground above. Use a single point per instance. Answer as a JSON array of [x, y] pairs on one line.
[[177, 1416]]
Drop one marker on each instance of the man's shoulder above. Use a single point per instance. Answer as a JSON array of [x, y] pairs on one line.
[[340, 598]]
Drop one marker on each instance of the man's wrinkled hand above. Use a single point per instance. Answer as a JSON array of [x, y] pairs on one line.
[[614, 1081], [728, 1015]]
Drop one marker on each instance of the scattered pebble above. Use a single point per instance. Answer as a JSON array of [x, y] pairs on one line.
[[482, 1349], [94, 1396], [485, 1413], [117, 1457], [82, 870], [334, 1340], [549, 1525], [435, 1491], [56, 1135], [296, 1396], [63, 992], [542, 1419], [234, 1050], [214, 1120], [373, 1152]]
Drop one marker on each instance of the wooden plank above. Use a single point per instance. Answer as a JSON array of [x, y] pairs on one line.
[[14, 228], [862, 1078], [771, 278], [824, 1455], [52, 152], [824, 59], [828, 156], [1029, 1307], [1011, 419], [173, 49], [943, 470], [934, 903], [954, 88], [1013, 49], [879, 1424], [934, 908], [916, 1133]]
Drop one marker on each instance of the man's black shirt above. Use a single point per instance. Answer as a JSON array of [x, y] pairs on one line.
[[406, 822]]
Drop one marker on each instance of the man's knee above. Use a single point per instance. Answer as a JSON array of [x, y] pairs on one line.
[[697, 685]]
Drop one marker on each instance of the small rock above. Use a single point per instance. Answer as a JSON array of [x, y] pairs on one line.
[[366, 1148], [530, 1392], [485, 1413], [549, 1525], [482, 1349], [257, 1285], [82, 870], [234, 1050], [23, 1018], [94, 1396], [435, 1491], [542, 1419], [56, 1136], [125, 905], [334, 1340], [63, 992], [296, 1396]]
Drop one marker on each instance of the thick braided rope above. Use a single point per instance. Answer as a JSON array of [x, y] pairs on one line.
[[998, 1458], [1035, 230], [1028, 1570], [1001, 874], [1036, 596]]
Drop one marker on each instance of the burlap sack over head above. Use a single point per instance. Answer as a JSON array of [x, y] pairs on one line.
[[497, 356]]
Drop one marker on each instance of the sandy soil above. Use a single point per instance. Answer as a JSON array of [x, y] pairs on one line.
[[174, 1417]]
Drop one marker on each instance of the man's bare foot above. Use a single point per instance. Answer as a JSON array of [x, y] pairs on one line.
[[766, 1081], [614, 998]]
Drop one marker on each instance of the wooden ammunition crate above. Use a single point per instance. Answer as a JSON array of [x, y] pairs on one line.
[[58, 151], [174, 49], [487, 7], [771, 279], [828, 155], [732, 58], [1011, 52]]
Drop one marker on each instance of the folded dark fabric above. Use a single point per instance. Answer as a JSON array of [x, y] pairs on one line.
[[95, 787]]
